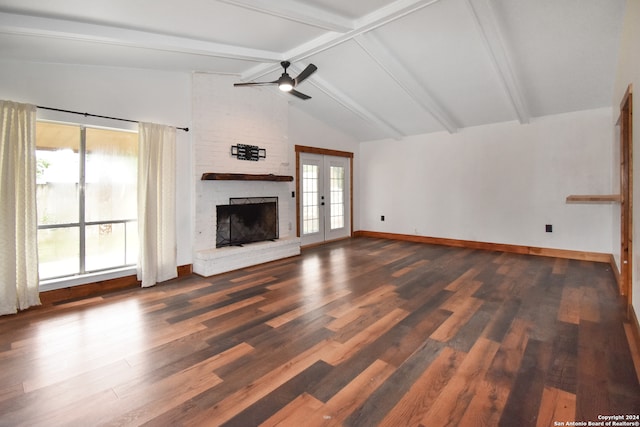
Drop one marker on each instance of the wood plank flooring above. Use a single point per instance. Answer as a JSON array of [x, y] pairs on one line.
[[361, 332]]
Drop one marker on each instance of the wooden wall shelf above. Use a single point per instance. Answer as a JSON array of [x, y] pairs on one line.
[[213, 176], [594, 198]]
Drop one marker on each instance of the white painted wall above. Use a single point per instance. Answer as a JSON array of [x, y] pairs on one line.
[[628, 72], [223, 116], [153, 96], [498, 183]]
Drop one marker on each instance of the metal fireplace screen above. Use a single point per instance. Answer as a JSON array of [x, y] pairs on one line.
[[247, 220]]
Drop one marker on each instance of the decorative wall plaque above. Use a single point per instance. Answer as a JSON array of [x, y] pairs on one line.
[[248, 152]]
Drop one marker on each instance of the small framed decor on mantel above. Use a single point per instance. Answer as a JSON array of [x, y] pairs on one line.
[[248, 152]]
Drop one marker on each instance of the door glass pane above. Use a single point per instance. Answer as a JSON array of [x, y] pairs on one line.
[[57, 173], [336, 182], [58, 252], [111, 175], [310, 208]]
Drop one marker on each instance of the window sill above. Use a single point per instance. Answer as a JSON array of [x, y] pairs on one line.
[[67, 282]]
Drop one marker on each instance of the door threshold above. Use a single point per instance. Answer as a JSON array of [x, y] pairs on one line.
[[313, 245]]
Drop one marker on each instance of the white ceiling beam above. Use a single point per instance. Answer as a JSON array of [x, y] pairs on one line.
[[392, 66], [72, 30], [491, 35], [348, 103], [298, 12], [369, 22]]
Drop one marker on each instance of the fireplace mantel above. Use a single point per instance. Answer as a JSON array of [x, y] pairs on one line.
[[214, 176]]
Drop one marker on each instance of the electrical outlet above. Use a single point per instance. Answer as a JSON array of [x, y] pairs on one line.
[[548, 228], [381, 217]]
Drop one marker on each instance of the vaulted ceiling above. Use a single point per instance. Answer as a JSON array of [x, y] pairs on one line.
[[386, 69]]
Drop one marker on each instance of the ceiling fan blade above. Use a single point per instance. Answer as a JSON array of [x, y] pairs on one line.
[[299, 94], [305, 73], [255, 83]]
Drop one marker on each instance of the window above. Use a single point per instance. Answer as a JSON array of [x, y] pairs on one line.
[[86, 199]]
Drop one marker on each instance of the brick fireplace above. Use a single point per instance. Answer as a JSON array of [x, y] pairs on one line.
[[225, 116]]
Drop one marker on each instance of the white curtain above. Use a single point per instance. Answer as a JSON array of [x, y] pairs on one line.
[[18, 218], [156, 203]]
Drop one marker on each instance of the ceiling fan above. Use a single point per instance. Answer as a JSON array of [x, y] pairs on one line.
[[285, 82]]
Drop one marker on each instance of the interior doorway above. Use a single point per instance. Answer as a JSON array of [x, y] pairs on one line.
[[324, 195], [626, 196]]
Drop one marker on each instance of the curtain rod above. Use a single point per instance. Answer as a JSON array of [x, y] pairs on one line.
[[97, 115]]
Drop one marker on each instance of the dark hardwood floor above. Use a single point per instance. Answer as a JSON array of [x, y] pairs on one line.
[[361, 332]]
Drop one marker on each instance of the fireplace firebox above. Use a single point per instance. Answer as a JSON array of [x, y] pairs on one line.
[[247, 220]]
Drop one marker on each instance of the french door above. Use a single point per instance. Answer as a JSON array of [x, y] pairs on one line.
[[325, 202]]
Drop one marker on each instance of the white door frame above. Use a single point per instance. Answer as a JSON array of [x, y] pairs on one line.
[[325, 152]]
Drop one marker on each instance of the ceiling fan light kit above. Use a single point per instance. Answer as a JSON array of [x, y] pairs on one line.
[[285, 83], [285, 86]]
